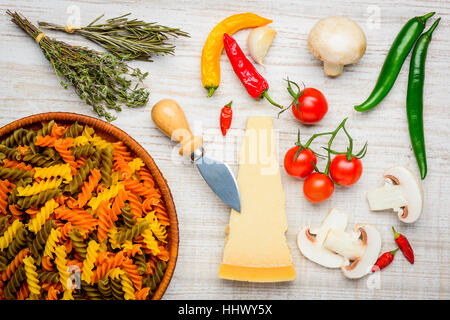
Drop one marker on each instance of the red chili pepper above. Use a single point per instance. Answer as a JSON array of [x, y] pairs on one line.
[[226, 115], [255, 84], [404, 246], [384, 260]]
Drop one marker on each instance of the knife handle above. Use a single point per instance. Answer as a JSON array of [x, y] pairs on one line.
[[170, 119]]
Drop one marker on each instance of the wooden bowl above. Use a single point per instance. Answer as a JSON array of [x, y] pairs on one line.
[[112, 133]]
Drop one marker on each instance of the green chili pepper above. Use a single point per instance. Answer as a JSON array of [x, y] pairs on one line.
[[414, 98], [400, 49]]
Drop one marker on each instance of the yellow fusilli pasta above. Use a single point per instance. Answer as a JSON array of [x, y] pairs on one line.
[[106, 194], [61, 265], [50, 245], [150, 241], [127, 287], [88, 263], [60, 170], [36, 223], [32, 278], [38, 187], [9, 234]]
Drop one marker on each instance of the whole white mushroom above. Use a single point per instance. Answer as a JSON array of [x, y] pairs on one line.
[[337, 41]]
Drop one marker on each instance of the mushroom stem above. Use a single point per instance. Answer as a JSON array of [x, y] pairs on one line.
[[344, 244], [331, 69], [387, 197]]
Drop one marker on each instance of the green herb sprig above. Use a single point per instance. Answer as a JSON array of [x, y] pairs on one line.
[[102, 80], [127, 39]]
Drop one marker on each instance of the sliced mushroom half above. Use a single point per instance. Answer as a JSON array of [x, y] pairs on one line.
[[362, 247], [401, 192], [310, 240]]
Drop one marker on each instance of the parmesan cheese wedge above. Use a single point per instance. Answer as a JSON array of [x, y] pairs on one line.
[[255, 246]]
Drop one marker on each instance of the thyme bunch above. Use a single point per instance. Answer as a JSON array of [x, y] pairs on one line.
[[127, 39], [100, 79]]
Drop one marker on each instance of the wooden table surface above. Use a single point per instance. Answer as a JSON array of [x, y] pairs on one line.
[[28, 86]]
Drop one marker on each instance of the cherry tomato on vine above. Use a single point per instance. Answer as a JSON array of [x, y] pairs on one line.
[[318, 187], [345, 172], [302, 166], [311, 106]]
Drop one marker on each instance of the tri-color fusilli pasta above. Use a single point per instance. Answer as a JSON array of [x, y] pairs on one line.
[[80, 217]]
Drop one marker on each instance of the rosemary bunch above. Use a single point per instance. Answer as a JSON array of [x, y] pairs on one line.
[[100, 79], [127, 39]]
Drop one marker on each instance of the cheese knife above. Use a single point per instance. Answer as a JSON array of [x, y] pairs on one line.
[[171, 120]]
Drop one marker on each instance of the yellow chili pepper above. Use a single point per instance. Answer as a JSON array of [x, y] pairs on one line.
[[214, 45]]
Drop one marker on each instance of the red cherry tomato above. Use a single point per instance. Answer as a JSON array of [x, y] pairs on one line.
[[302, 166], [311, 107], [318, 187], [345, 172]]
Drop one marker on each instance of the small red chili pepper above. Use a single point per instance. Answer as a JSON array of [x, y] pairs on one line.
[[404, 246], [252, 80], [226, 115], [384, 260]]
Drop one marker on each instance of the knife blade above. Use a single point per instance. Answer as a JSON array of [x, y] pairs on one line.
[[221, 180], [171, 120]]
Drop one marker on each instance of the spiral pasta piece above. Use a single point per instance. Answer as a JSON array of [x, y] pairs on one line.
[[141, 190], [47, 264], [118, 204], [132, 271], [105, 195], [127, 287], [15, 174], [9, 234], [158, 230], [14, 283], [99, 142], [77, 217], [36, 223], [150, 242], [135, 165], [38, 187], [122, 166], [5, 188], [45, 141], [146, 178], [135, 205], [78, 243], [121, 149], [80, 141], [112, 234], [57, 130], [23, 292], [135, 231], [14, 265], [32, 278], [88, 264], [62, 146], [61, 265], [13, 164], [104, 220], [10, 153], [88, 187], [57, 171], [142, 294], [37, 199], [107, 265], [52, 293], [74, 130], [50, 244]]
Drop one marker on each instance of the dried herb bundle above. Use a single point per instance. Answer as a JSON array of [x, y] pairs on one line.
[[128, 39], [100, 79]]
